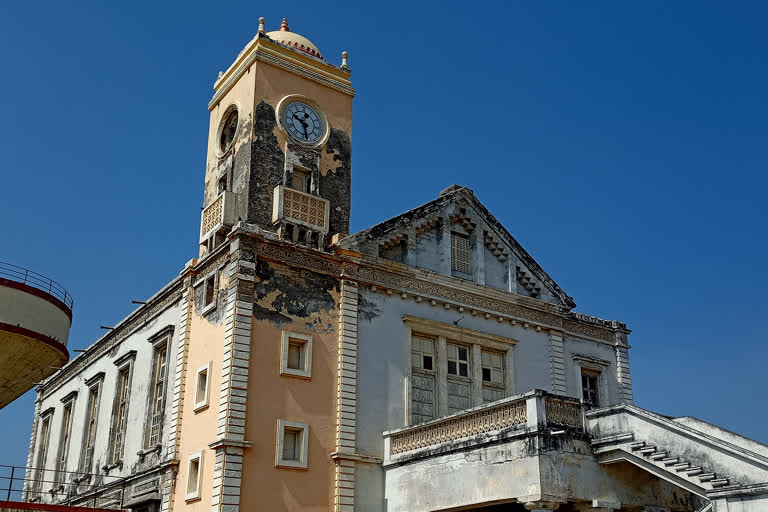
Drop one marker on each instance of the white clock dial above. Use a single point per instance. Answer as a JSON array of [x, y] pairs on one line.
[[303, 123]]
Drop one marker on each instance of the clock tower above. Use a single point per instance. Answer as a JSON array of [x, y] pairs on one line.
[[279, 143]]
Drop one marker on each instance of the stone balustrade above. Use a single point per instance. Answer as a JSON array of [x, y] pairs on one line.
[[533, 411]]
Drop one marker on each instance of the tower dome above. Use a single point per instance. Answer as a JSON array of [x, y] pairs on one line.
[[294, 40]]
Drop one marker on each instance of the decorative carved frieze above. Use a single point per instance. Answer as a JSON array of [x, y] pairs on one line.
[[561, 412], [505, 415]]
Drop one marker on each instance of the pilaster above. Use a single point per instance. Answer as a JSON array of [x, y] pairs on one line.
[[29, 473], [477, 375], [623, 375], [346, 398], [441, 386], [230, 443], [557, 362], [177, 397]]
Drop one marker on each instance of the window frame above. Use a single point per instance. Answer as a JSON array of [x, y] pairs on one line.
[[93, 406], [591, 365], [65, 439], [204, 282], [459, 362], [282, 426], [306, 340], [119, 426], [201, 404], [161, 341], [458, 265], [195, 494], [42, 451]]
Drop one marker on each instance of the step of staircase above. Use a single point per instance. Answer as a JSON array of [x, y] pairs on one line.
[[648, 450], [707, 477], [658, 456], [636, 446], [681, 466], [719, 482], [670, 460], [694, 471]]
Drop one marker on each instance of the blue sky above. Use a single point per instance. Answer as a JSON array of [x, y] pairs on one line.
[[623, 144]]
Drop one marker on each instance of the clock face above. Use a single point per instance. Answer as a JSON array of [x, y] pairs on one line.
[[303, 123]]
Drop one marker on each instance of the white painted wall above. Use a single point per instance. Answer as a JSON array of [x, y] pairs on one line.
[[23, 309]]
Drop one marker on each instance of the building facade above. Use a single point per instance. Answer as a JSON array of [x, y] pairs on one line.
[[426, 363]]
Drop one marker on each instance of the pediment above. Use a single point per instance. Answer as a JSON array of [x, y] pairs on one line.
[[432, 235]]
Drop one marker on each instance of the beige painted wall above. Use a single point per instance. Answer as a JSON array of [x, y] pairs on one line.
[[272, 397], [198, 428]]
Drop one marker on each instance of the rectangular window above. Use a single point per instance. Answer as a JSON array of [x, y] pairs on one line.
[[493, 375], [589, 388], [201, 386], [120, 415], [459, 382], [460, 253], [423, 354], [300, 180], [194, 471], [66, 433], [42, 455], [210, 292], [157, 406], [91, 420], [458, 360], [291, 444], [296, 359]]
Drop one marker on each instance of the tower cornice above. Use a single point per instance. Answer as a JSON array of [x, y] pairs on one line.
[[263, 49]]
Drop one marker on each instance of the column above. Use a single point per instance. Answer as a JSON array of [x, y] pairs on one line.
[[441, 386], [477, 375]]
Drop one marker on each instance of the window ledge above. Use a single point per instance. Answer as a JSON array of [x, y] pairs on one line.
[[200, 407], [192, 499], [146, 451], [207, 309], [109, 467], [299, 374]]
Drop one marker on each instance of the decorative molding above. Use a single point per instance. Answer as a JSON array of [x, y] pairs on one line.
[[496, 247], [69, 397], [364, 459], [557, 363], [165, 332], [129, 356], [527, 280], [346, 403], [96, 379], [454, 333]]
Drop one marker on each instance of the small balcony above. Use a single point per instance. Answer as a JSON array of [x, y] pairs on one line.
[[300, 217], [497, 453], [218, 215]]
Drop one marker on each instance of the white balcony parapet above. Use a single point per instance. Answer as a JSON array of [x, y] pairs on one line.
[[302, 209], [532, 411], [220, 213]]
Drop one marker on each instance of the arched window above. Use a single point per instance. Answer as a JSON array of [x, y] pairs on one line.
[[228, 131]]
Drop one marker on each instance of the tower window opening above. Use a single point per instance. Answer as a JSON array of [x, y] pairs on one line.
[[222, 184], [228, 131], [300, 181]]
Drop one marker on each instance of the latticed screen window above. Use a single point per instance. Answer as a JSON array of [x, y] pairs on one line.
[[158, 395], [42, 455], [589, 386], [423, 354], [458, 360], [121, 415], [90, 429], [460, 253], [66, 433]]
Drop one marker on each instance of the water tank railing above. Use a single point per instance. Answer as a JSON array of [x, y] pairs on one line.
[[35, 280]]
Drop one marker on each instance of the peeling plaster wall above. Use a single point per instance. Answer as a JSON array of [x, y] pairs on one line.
[[383, 365], [138, 407], [528, 468], [296, 301]]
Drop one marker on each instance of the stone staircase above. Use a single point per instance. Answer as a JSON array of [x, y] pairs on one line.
[[661, 459]]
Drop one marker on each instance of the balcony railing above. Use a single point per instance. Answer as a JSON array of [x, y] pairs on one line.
[[302, 209], [35, 280], [218, 214], [19, 483], [533, 411]]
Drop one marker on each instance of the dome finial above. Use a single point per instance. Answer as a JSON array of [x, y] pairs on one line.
[[284, 25], [344, 56], [262, 27]]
